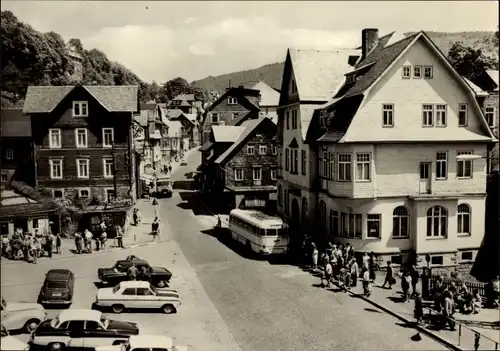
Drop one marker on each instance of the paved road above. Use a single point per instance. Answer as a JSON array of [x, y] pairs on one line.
[[270, 307]]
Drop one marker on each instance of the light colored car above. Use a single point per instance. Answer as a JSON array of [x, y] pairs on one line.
[[145, 343], [184, 163], [22, 315], [8, 342], [138, 294], [82, 329]]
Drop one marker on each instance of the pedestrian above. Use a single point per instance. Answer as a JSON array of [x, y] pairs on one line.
[[388, 276], [78, 242], [170, 168], [372, 266], [314, 256], [365, 262], [134, 217], [419, 309], [49, 242], [328, 274], [37, 244], [405, 286], [155, 227], [414, 279], [138, 214], [144, 273], [366, 282], [448, 311], [354, 271], [133, 272], [97, 240], [58, 243], [88, 240], [104, 239], [329, 249], [119, 236]]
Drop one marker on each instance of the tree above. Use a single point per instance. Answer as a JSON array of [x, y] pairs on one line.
[[175, 87], [470, 63]]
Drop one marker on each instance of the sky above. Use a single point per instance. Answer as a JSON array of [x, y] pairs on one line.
[[162, 40]]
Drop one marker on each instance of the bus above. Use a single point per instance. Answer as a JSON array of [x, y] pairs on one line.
[[260, 232]]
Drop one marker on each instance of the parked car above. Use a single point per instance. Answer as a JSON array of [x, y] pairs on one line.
[[137, 294], [58, 288], [164, 186], [8, 342], [21, 315], [158, 276], [80, 328], [184, 163], [145, 343]]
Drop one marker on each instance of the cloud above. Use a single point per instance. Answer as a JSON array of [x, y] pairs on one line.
[[189, 20]]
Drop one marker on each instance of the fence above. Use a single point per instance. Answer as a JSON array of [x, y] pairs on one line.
[[472, 286], [467, 339]]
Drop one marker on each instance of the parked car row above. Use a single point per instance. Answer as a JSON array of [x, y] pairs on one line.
[[89, 328]]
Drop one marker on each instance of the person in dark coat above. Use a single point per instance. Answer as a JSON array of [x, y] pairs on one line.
[[419, 309], [414, 280], [372, 267], [49, 244], [388, 276]]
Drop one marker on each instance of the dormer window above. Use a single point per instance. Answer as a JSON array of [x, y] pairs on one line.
[[232, 101], [322, 118], [428, 72], [80, 109], [351, 79]]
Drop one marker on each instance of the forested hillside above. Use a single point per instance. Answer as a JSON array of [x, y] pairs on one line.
[[271, 74], [33, 58]]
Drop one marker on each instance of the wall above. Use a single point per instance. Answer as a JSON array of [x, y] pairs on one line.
[[492, 100], [408, 95]]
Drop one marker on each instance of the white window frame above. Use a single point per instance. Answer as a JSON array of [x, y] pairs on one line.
[[295, 124], [441, 115], [442, 214], [216, 117], [406, 74], [461, 166], [236, 177], [463, 109], [363, 166], [345, 225], [232, 100], [54, 132], [52, 163], [58, 189], [464, 220], [250, 150], [275, 150], [80, 193], [387, 115], [274, 174], [86, 162], [104, 130], [428, 115], [106, 190], [80, 105], [399, 217], [342, 163], [331, 157], [262, 149], [419, 75], [439, 163], [491, 113], [373, 218], [104, 169], [257, 175], [428, 69], [77, 139], [235, 114], [9, 154]]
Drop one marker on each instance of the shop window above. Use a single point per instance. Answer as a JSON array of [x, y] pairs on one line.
[[466, 256], [437, 260], [396, 259]]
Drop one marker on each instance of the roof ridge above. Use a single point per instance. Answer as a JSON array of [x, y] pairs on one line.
[[328, 51]]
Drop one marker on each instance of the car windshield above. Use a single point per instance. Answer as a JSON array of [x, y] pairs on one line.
[[164, 182], [116, 288], [56, 285], [105, 322]]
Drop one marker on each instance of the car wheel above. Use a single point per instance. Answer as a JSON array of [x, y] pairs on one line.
[[161, 284], [118, 308], [56, 346], [168, 309], [31, 325]]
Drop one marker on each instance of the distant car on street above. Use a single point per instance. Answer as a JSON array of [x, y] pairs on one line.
[[21, 315], [137, 294], [164, 186], [184, 163], [145, 343], [8, 342], [58, 288], [158, 276], [82, 329]]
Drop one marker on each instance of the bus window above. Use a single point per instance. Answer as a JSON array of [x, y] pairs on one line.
[[271, 232], [280, 232], [262, 232]]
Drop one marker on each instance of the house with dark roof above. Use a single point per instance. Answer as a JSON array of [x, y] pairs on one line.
[[245, 174], [401, 156], [235, 106], [17, 147], [190, 126], [84, 144], [183, 102]]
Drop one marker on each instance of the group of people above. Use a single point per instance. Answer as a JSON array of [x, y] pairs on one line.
[[340, 264], [30, 246], [83, 241], [139, 273]]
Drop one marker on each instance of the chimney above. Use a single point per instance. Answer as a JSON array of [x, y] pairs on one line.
[[241, 86], [229, 83], [369, 38]]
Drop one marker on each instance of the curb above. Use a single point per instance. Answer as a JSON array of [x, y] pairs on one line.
[[133, 246], [421, 329]]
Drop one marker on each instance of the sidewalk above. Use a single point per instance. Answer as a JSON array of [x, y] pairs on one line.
[[462, 338]]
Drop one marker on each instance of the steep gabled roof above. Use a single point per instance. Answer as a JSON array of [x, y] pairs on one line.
[[184, 97], [13, 123], [239, 120], [249, 130], [269, 96], [318, 74], [477, 90], [226, 134], [175, 113], [114, 98], [241, 94], [493, 74]]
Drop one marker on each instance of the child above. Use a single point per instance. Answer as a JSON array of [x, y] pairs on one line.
[[476, 302], [419, 309]]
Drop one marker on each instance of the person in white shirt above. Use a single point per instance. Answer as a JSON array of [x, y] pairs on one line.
[[88, 240], [328, 274]]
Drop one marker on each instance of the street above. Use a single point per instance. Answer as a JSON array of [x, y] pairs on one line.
[[229, 302]]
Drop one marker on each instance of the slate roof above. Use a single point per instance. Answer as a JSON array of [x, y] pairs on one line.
[[318, 74], [185, 97], [494, 76], [15, 124], [306, 115], [115, 98], [150, 105], [250, 127], [269, 96], [241, 94], [477, 90], [227, 134], [241, 119], [14, 205]]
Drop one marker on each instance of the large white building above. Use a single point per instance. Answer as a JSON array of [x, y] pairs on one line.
[[387, 177]]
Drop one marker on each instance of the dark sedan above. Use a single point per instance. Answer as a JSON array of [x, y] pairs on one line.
[[58, 288]]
